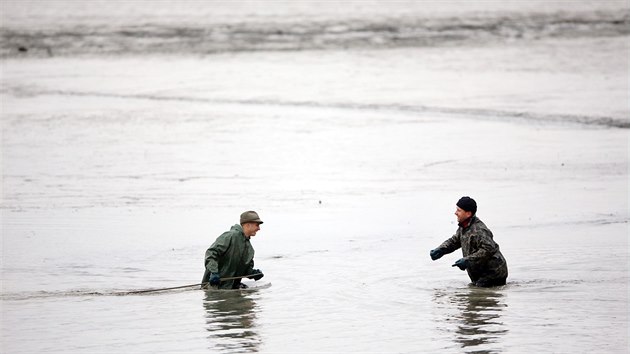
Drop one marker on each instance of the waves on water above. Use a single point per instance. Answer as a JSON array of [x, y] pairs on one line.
[[474, 113], [200, 38]]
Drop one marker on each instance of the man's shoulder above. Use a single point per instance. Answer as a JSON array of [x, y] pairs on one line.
[[477, 224], [234, 230], [230, 233]]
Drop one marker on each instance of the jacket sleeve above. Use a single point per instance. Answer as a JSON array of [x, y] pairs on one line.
[[486, 247], [216, 251], [452, 244], [250, 267]]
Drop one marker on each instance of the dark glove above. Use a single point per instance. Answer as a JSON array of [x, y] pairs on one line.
[[215, 279], [436, 254], [258, 275], [461, 263]]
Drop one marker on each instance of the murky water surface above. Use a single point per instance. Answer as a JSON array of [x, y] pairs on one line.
[[118, 173]]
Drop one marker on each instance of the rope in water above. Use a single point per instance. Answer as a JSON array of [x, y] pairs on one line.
[[181, 287]]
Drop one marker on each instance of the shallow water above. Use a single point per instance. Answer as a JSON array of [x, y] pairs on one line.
[[368, 294], [345, 243], [118, 173]]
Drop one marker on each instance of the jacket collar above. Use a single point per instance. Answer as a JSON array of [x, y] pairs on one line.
[[239, 228], [466, 223]]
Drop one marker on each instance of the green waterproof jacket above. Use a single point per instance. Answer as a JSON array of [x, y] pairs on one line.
[[231, 255], [486, 263]]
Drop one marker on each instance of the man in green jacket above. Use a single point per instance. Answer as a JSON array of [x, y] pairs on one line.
[[482, 258], [232, 255]]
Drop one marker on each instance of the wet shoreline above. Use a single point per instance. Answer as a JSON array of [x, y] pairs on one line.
[[403, 32]]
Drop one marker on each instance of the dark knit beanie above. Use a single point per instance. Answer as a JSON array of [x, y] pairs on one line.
[[467, 204]]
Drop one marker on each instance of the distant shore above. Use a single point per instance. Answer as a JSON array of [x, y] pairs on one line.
[[209, 38]]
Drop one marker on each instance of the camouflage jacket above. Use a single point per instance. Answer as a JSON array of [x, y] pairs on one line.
[[231, 255], [478, 247]]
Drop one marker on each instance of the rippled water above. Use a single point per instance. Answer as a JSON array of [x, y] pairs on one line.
[[202, 28], [118, 173], [351, 273]]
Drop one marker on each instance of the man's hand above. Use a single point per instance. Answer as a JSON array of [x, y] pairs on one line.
[[215, 279], [258, 275], [436, 254], [461, 263]]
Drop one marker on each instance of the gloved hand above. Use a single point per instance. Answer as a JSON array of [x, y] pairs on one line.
[[436, 254], [461, 263], [258, 275], [215, 279]]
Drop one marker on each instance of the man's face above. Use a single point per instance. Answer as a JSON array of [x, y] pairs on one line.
[[250, 228], [462, 214]]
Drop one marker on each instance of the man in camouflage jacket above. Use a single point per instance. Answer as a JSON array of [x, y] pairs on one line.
[[482, 258]]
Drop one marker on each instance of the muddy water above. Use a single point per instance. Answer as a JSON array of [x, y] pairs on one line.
[[119, 171], [345, 244]]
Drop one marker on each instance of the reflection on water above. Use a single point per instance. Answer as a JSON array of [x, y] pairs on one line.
[[231, 321], [477, 319]]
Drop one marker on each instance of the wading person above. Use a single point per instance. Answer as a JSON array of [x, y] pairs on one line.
[[232, 255], [482, 258]]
